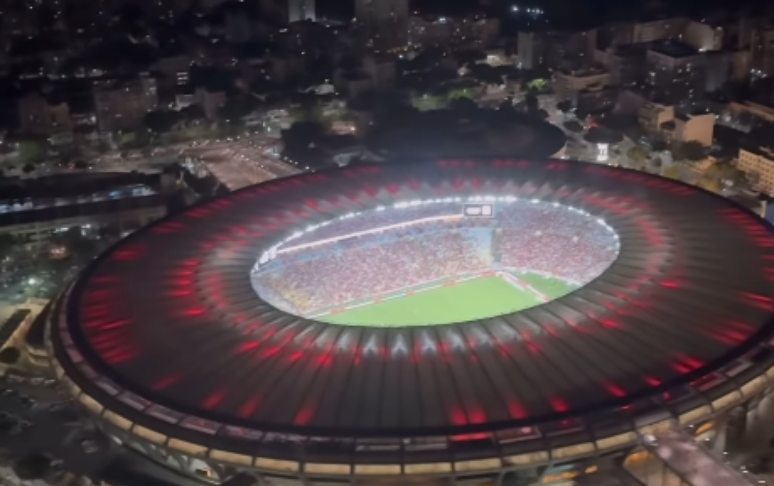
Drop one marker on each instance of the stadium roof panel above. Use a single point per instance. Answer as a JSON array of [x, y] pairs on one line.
[[169, 314]]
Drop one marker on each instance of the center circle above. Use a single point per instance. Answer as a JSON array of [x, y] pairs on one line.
[[435, 262]]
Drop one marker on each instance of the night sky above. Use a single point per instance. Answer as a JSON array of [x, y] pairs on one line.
[[582, 12]]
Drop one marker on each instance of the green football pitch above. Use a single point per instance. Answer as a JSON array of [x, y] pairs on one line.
[[465, 301]]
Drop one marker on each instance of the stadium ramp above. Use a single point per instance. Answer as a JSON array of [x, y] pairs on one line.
[[694, 464], [609, 477]]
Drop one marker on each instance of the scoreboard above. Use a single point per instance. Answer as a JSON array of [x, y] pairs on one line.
[[477, 210]]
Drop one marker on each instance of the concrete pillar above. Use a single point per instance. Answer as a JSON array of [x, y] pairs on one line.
[[718, 443]]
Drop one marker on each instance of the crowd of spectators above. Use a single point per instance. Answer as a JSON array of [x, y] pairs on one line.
[[540, 238], [339, 273], [375, 219], [554, 241]]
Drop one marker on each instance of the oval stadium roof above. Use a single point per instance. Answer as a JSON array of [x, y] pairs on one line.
[[169, 314]]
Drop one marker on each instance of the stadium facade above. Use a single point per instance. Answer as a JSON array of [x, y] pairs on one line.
[[165, 341]]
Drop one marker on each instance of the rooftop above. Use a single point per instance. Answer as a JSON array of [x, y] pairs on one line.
[[585, 72], [673, 48]]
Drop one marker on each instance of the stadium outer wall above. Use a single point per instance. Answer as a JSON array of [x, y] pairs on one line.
[[561, 455], [710, 423]]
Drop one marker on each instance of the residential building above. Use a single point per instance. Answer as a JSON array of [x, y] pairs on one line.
[[676, 125], [175, 69], [754, 111], [652, 115], [384, 22], [627, 64], [211, 100], [43, 115], [760, 163], [594, 99], [676, 71], [300, 10], [381, 70], [352, 83], [288, 11], [185, 96], [741, 64], [657, 30], [285, 65], [121, 105], [568, 82], [557, 50], [703, 36], [478, 30], [719, 69], [473, 30], [762, 51], [624, 33], [687, 127]]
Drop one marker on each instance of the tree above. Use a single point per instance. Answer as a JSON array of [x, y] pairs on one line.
[[637, 154], [532, 104], [9, 355], [32, 152], [459, 93], [506, 104], [28, 167], [657, 162], [463, 104], [543, 114], [31, 467], [537, 84], [725, 173], [160, 121], [564, 106], [691, 151], [659, 145], [671, 172], [7, 243], [236, 108], [192, 112], [600, 135], [573, 126], [708, 183]]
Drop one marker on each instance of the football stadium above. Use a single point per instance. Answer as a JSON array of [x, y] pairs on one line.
[[478, 321]]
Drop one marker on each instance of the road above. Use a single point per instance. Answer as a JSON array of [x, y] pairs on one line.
[[59, 434], [242, 162]]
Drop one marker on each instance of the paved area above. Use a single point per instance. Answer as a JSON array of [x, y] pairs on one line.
[[695, 464], [240, 163]]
